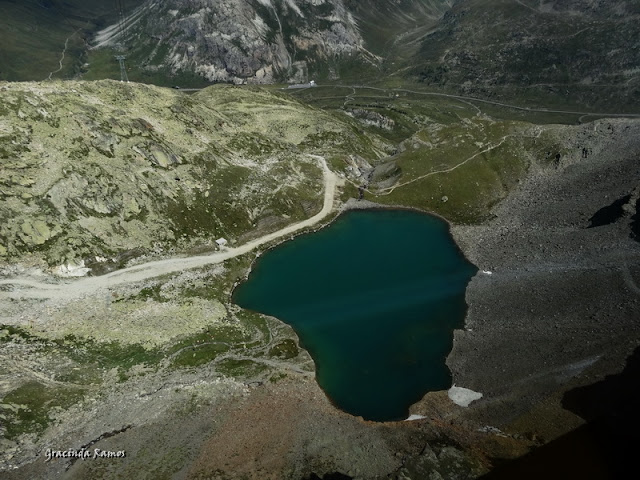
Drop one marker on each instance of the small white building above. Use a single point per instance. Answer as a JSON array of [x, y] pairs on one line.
[[221, 242]]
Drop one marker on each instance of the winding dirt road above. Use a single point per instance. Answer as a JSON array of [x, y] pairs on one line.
[[466, 99], [78, 288], [64, 51]]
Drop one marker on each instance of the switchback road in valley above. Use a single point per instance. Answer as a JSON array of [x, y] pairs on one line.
[[473, 99]]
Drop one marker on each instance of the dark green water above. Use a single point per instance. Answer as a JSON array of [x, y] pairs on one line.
[[374, 298]]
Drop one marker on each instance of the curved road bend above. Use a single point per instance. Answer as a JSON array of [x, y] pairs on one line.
[[88, 285], [474, 99]]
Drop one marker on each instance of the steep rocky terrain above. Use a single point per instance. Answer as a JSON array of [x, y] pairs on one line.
[[559, 314], [257, 41], [576, 51], [265, 41]]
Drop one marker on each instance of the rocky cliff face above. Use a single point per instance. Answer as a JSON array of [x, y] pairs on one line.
[[240, 41]]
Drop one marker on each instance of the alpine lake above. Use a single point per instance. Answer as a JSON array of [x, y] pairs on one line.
[[374, 297]]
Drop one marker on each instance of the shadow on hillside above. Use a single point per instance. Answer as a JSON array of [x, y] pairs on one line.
[[604, 448]]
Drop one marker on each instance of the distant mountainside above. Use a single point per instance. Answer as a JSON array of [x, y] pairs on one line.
[[387, 24], [34, 34], [567, 52], [587, 51], [262, 41], [254, 41]]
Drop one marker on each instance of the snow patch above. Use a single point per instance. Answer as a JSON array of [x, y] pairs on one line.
[[463, 396], [414, 417], [72, 270]]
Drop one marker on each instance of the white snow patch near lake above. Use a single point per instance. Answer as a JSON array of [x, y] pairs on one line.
[[414, 417], [463, 396]]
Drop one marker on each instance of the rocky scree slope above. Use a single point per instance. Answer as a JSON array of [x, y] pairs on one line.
[[111, 170], [581, 51]]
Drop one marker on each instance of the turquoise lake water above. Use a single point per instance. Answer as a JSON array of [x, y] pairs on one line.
[[374, 298]]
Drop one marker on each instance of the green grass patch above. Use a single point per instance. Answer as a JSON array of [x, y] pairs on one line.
[[286, 349], [240, 368], [107, 355], [26, 409], [465, 194], [199, 355]]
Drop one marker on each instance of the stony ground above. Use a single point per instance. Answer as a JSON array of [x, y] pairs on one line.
[[561, 306]]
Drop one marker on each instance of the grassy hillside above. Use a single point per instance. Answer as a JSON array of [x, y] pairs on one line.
[[33, 35], [454, 157], [103, 168], [392, 29]]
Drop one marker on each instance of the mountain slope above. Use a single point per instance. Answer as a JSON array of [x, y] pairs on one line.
[[238, 40], [105, 169], [35, 33], [577, 51], [392, 28]]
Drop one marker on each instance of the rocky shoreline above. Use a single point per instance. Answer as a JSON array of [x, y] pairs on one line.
[[561, 307]]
